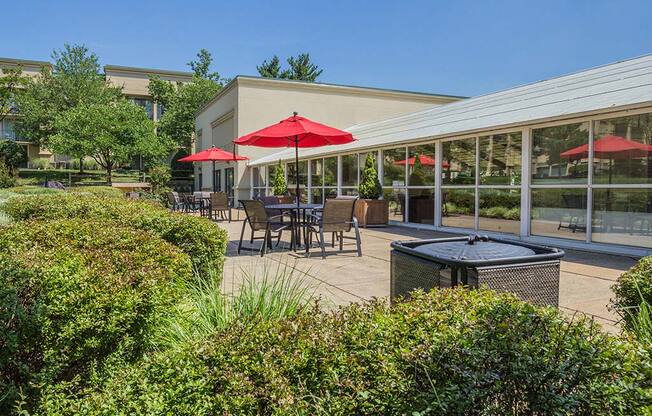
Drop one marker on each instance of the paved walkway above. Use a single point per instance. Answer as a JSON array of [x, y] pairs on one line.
[[343, 277]]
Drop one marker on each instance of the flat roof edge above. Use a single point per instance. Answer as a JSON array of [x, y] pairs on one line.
[[149, 71]]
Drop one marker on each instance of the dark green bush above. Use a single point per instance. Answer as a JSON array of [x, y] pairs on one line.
[[98, 191], [200, 238], [631, 289], [452, 352], [73, 293]]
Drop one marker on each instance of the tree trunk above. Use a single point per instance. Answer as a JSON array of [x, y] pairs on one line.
[[81, 165], [109, 169]]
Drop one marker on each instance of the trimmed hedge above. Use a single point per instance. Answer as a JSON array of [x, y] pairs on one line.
[[454, 352], [631, 289], [98, 191], [200, 238], [73, 294]]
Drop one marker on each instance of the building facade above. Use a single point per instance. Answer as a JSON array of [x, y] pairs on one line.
[[247, 104], [133, 81], [566, 161]]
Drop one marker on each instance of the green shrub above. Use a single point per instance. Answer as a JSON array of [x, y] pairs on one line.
[[278, 182], [98, 191], [41, 163], [159, 177], [33, 190], [73, 293], [631, 289], [200, 238], [12, 154], [8, 175], [453, 352], [370, 187]]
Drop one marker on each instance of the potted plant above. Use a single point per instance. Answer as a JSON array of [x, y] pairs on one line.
[[370, 210], [280, 188]]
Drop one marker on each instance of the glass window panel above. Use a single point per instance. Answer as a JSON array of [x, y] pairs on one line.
[[500, 159], [330, 193], [559, 213], [458, 165], [500, 210], [302, 190], [362, 159], [393, 172], [258, 177], [396, 198], [316, 172], [271, 172], [421, 165], [350, 191], [458, 208], [622, 216], [330, 171], [303, 173], [8, 130], [622, 150], [317, 195], [349, 170], [421, 207], [560, 154], [147, 105]]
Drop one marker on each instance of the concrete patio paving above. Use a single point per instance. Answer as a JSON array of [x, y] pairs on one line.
[[343, 277]]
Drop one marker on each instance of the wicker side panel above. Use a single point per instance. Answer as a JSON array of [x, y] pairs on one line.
[[537, 283], [409, 273]]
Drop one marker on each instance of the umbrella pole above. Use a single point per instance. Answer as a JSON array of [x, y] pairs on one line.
[[213, 176], [296, 167]]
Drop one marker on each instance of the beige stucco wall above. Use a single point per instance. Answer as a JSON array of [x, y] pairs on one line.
[[257, 103], [136, 82]]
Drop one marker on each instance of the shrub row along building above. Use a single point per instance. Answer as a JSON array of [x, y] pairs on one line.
[[565, 161]]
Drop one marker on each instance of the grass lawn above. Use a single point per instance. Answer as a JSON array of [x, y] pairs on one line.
[[36, 176]]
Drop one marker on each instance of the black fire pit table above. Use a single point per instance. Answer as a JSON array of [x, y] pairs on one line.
[[529, 271]]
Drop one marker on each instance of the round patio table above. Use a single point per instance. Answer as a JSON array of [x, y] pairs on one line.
[[300, 215]]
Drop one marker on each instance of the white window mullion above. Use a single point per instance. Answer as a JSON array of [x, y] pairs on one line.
[[438, 172], [589, 190], [476, 221], [526, 145], [339, 175]]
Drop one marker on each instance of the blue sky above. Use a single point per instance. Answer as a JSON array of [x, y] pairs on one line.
[[448, 47]]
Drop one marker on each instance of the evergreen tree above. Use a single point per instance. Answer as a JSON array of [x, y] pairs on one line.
[[370, 187], [271, 69], [280, 186], [300, 68]]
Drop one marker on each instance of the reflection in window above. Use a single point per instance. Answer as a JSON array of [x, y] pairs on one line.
[[622, 216], [350, 191], [317, 195], [316, 172], [147, 105], [350, 170], [330, 171], [458, 208], [258, 177], [421, 165], [421, 206], [560, 154], [396, 204], [7, 130], [500, 159], [362, 159], [393, 169], [559, 213], [303, 173], [458, 165], [622, 150], [500, 210]]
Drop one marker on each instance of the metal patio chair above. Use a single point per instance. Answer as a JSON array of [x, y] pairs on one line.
[[219, 204], [259, 220], [174, 201], [336, 218]]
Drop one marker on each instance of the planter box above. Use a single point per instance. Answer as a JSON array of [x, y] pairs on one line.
[[372, 212], [285, 199]]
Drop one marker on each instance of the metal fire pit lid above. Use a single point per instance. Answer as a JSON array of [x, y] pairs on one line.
[[477, 251], [474, 248]]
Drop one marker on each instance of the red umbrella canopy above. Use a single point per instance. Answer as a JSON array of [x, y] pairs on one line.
[[609, 146], [295, 131], [213, 154], [424, 159]]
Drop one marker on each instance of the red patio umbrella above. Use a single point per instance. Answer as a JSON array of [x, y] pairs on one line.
[[610, 147], [295, 132], [214, 154], [424, 159]]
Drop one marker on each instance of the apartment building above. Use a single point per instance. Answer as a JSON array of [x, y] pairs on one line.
[[134, 83]]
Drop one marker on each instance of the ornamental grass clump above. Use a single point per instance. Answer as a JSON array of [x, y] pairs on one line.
[[453, 352], [200, 238], [74, 294], [633, 288]]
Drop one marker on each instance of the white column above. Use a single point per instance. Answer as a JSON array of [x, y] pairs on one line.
[[476, 221], [379, 169], [339, 175], [438, 162], [526, 146], [589, 191], [309, 184]]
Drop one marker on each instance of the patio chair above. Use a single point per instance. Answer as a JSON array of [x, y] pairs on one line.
[[219, 204], [174, 201], [336, 218], [270, 200], [258, 220]]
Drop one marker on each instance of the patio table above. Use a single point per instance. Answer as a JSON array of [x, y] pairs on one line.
[[299, 212]]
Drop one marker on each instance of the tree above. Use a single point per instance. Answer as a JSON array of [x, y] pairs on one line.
[[12, 83], [182, 101], [75, 80], [280, 186], [112, 134], [12, 154], [370, 187], [300, 68]]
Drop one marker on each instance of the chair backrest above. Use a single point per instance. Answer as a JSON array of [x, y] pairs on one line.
[[255, 212], [269, 200], [171, 199], [354, 197], [338, 214], [219, 200]]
